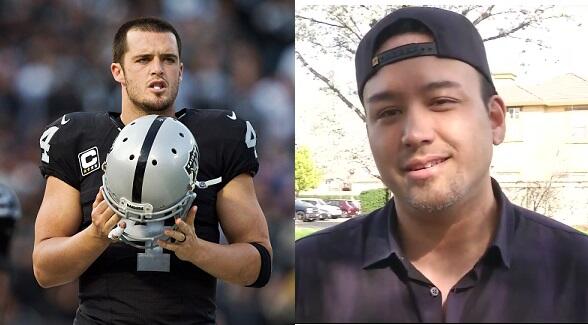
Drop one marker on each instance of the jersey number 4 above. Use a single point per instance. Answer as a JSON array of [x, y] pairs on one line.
[[251, 137], [44, 143]]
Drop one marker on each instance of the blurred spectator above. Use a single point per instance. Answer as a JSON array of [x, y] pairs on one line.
[[56, 59]]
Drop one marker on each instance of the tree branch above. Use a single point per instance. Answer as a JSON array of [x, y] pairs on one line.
[[338, 45], [369, 170], [504, 33], [319, 21], [487, 13], [331, 87], [520, 26], [355, 32], [546, 192], [468, 9]]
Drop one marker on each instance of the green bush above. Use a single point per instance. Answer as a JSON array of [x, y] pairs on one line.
[[329, 196], [373, 199]]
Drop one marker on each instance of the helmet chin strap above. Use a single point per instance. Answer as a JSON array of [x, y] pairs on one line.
[[210, 182]]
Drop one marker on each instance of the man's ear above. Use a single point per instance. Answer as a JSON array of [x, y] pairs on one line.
[[497, 114], [118, 73], [181, 70]]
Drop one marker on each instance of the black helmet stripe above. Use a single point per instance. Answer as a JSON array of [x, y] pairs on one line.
[[143, 157]]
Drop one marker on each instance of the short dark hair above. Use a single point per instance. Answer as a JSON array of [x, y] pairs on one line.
[[146, 24], [404, 26]]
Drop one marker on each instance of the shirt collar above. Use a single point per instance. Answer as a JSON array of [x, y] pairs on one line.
[[506, 225], [381, 243], [115, 118]]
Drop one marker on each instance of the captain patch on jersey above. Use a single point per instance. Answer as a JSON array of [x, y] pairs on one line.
[[89, 161]]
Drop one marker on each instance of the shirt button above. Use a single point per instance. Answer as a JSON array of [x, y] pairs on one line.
[[434, 291]]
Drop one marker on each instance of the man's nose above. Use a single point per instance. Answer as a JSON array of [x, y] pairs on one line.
[[157, 66], [418, 127]]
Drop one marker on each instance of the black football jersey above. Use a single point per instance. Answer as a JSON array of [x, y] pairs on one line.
[[73, 149]]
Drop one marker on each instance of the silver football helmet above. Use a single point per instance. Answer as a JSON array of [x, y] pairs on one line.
[[10, 212], [9, 204], [149, 177]]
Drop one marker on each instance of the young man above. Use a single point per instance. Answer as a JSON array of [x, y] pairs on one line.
[[73, 222], [449, 247]]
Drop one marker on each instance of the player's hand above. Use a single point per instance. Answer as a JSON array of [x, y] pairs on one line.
[[186, 242], [103, 218]]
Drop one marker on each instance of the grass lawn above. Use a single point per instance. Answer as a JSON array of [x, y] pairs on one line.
[[301, 232]]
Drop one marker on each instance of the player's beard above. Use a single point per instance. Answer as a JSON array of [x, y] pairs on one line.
[[152, 105]]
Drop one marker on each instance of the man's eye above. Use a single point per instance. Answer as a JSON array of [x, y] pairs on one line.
[[143, 60], [443, 101], [170, 60], [389, 113]]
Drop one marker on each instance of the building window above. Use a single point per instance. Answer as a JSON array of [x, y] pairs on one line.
[[579, 126], [514, 130], [514, 112]]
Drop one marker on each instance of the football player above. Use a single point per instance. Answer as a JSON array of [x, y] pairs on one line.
[[74, 220]]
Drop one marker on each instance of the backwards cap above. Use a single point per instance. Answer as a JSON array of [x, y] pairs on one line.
[[454, 37]]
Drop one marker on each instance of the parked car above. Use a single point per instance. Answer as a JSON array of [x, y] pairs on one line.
[[329, 211], [356, 204], [305, 211], [347, 206]]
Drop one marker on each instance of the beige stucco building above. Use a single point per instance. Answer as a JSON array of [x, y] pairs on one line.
[[545, 154]]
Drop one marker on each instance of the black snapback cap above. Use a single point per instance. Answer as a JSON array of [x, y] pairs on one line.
[[454, 37]]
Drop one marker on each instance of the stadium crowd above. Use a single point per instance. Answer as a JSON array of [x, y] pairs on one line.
[[237, 55]]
